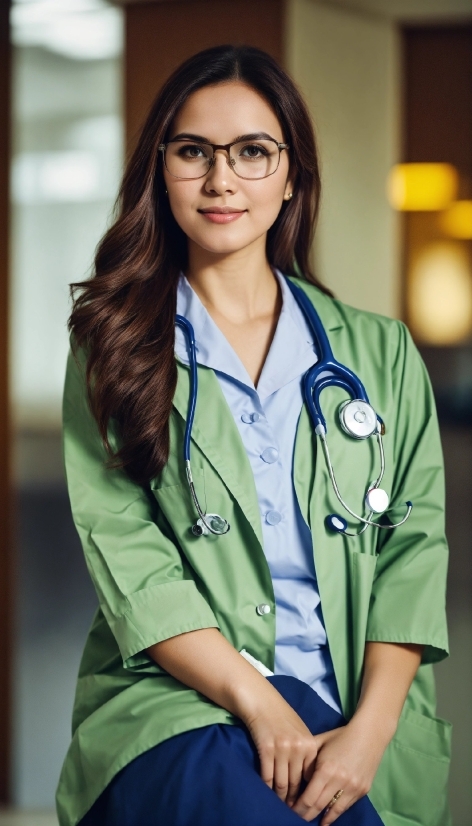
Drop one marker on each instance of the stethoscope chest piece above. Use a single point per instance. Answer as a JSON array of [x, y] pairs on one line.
[[377, 500], [358, 419], [211, 523]]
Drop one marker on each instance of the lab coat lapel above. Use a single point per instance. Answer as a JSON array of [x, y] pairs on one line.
[[215, 433]]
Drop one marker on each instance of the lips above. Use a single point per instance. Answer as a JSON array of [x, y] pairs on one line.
[[221, 214], [222, 210]]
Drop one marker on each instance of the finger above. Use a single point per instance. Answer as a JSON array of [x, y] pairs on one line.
[[331, 813], [317, 792], [295, 773], [320, 807], [281, 778], [310, 763], [267, 768]]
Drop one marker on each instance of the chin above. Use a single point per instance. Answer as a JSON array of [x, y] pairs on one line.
[[223, 246]]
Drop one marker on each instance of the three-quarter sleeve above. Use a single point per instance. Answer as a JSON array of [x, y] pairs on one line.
[[408, 595], [144, 585]]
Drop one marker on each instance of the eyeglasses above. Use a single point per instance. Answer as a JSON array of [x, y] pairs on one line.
[[252, 157]]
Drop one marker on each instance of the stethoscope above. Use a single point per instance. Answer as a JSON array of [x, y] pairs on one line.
[[356, 415]]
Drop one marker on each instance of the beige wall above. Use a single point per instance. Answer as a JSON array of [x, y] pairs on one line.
[[347, 66]]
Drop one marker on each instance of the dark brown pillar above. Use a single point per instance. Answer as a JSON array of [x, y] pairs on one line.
[[159, 36], [437, 117], [5, 501]]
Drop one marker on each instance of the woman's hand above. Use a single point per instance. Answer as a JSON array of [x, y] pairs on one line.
[[287, 749], [346, 758]]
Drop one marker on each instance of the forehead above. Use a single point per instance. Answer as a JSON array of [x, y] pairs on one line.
[[224, 111]]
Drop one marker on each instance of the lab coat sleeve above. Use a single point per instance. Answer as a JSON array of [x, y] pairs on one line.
[[408, 597], [144, 585]]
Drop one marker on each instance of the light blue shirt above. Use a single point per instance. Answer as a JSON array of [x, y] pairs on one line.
[[267, 419]]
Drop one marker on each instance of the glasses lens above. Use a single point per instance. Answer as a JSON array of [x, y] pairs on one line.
[[185, 159], [255, 159]]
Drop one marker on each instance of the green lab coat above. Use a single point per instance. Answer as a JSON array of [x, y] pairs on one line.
[[154, 579]]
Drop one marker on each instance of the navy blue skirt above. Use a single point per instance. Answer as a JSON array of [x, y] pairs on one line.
[[210, 777]]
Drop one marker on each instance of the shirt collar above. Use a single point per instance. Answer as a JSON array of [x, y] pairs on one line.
[[291, 353]]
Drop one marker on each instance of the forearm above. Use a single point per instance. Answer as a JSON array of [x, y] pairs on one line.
[[389, 670], [348, 757], [206, 661]]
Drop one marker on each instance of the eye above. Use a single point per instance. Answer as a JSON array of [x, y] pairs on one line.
[[252, 152], [193, 152]]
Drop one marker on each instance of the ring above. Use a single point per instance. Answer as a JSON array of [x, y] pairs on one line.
[[334, 799]]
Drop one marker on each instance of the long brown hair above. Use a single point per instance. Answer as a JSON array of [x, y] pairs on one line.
[[123, 316]]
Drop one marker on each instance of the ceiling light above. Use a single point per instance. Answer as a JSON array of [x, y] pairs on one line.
[[440, 294], [78, 29], [422, 186], [457, 220]]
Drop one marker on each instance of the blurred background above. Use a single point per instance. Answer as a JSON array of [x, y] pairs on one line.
[[389, 83]]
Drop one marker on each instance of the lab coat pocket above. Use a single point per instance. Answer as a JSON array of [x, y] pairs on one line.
[[410, 788], [174, 499]]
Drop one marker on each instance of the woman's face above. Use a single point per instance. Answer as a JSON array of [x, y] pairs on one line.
[[222, 213]]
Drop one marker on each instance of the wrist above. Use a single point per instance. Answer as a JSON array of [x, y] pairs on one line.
[[378, 726], [251, 698]]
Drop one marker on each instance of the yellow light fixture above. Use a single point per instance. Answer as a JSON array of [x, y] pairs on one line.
[[456, 221], [422, 186], [440, 294]]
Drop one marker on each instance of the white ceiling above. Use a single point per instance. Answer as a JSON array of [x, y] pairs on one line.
[[402, 10]]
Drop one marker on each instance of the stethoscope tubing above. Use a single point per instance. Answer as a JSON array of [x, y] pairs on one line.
[[339, 374], [327, 372], [189, 334]]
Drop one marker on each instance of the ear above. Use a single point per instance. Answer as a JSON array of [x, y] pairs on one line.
[[288, 194]]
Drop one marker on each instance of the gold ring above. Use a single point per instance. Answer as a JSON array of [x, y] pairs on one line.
[[334, 799]]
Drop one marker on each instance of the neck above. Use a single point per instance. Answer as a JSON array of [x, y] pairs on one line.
[[240, 286]]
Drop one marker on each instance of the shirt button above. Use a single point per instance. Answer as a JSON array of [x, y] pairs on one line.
[[273, 517], [270, 455], [250, 418], [262, 609]]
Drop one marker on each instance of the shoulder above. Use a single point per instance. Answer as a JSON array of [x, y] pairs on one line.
[[360, 330], [378, 349]]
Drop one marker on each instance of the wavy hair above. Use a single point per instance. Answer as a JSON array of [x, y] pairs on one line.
[[123, 316]]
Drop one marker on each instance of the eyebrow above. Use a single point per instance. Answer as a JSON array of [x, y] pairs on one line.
[[253, 136]]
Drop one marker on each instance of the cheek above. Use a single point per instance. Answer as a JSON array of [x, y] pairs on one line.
[[182, 200], [266, 203]]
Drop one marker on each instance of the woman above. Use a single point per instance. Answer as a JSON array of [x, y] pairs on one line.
[[171, 724]]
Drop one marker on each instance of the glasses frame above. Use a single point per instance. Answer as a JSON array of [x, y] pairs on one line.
[[229, 160]]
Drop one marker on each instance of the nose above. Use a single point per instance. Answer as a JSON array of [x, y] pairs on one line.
[[220, 177]]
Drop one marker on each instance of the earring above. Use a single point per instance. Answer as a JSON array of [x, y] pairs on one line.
[[288, 197], [167, 193]]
